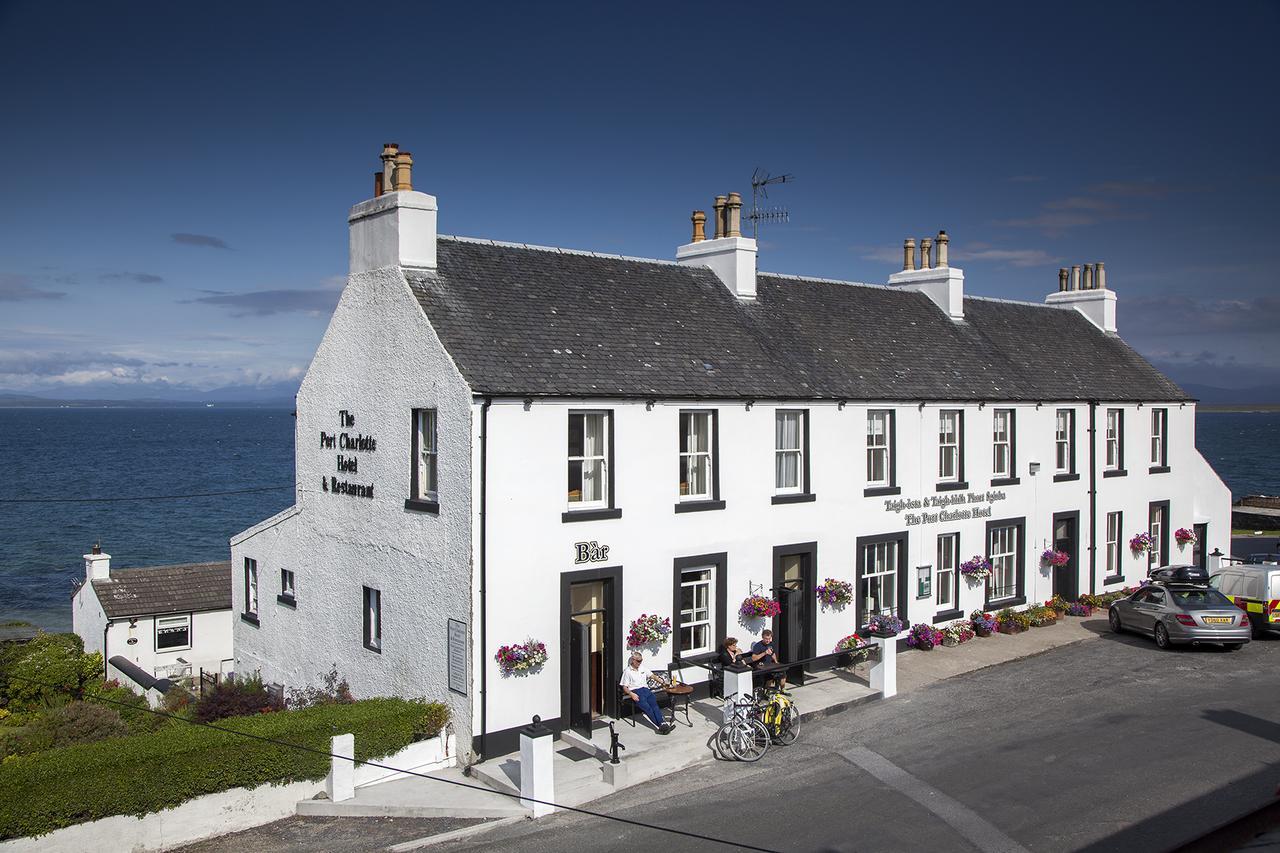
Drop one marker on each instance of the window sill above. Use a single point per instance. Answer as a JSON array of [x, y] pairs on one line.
[[1158, 469], [251, 618], [881, 491], [802, 497], [947, 616], [952, 486], [1016, 601], [288, 601], [420, 505], [1064, 478], [373, 648], [1115, 472], [1113, 579], [590, 514], [1006, 481], [699, 506]]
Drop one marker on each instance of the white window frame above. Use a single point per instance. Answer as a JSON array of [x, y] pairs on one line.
[[948, 553], [1156, 521], [1159, 430], [426, 425], [690, 622], [880, 561], [1115, 521], [606, 426], [1002, 443], [780, 453], [251, 586], [1063, 440], [689, 458], [880, 445], [1114, 428], [1003, 547], [372, 605], [949, 445], [288, 590], [175, 620]]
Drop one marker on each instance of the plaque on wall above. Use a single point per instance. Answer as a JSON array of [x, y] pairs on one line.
[[457, 648]]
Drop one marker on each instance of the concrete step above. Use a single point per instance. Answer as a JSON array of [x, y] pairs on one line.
[[502, 774], [436, 796]]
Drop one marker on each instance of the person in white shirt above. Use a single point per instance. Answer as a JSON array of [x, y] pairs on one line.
[[635, 683]]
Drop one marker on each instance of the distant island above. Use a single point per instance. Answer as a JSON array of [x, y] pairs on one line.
[[23, 401]]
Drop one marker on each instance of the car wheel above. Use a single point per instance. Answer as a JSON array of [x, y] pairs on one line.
[[1162, 636], [1113, 617], [1233, 647]]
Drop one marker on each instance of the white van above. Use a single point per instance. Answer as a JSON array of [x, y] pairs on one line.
[[1255, 589]]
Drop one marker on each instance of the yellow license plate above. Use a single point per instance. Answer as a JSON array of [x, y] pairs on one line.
[[1217, 620]]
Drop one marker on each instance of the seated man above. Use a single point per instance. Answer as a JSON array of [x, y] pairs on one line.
[[765, 653], [635, 683]]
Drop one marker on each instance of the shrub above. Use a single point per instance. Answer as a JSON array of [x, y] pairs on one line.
[[145, 773], [132, 708], [49, 669], [335, 691], [236, 697], [431, 721], [177, 700]]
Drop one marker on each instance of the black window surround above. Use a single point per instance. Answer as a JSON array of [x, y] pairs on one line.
[[1012, 479], [1119, 470], [1020, 598], [1161, 416], [251, 568], [413, 503], [805, 494], [1071, 473], [720, 607], [902, 580], [372, 640], [891, 430], [714, 502], [1163, 508], [953, 612], [959, 483], [599, 513]]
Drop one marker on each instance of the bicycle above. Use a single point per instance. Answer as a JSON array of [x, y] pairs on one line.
[[743, 735], [779, 715]]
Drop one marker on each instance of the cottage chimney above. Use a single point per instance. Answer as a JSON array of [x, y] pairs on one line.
[[398, 227], [729, 255], [97, 565], [377, 184], [699, 226], [1093, 300], [943, 284], [1062, 279]]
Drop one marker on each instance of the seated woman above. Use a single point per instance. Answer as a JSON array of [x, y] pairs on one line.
[[730, 654]]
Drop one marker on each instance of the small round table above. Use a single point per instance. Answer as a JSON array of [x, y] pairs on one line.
[[679, 692]]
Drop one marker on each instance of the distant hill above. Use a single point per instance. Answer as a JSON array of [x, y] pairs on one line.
[[25, 401], [1244, 396]]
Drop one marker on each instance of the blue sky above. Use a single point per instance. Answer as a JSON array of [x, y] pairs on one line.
[[176, 178]]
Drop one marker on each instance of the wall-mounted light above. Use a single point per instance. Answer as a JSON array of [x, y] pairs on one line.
[[840, 406], [1038, 405], [1034, 468], [922, 405], [750, 403], [1139, 405], [528, 403], [649, 404]]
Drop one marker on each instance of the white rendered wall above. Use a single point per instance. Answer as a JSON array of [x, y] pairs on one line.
[[87, 617], [529, 546], [379, 359], [211, 644]]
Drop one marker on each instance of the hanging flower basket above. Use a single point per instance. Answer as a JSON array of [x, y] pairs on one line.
[[521, 658], [1185, 536], [976, 568], [759, 607], [648, 630], [884, 626], [1055, 558], [924, 637], [1142, 543], [834, 593]]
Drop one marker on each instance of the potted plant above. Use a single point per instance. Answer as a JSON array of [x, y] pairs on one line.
[[1142, 543], [1185, 536], [1009, 621], [1041, 616], [1058, 604], [521, 658], [924, 637], [884, 626], [1079, 608], [976, 569], [834, 593], [957, 633], [983, 623], [857, 650], [1055, 558], [649, 630], [759, 607]]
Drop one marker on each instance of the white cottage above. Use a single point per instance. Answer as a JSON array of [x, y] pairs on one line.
[[157, 624], [498, 442]]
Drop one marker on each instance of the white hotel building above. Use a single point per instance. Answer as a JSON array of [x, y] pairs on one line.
[[498, 442]]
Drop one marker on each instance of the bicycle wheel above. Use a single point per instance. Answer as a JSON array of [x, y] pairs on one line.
[[789, 728], [750, 741], [724, 738]]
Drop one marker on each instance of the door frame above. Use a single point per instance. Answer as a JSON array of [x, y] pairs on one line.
[[861, 563], [1074, 517], [612, 575], [810, 551]]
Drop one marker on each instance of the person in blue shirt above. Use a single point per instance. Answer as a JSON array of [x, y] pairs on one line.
[[764, 652]]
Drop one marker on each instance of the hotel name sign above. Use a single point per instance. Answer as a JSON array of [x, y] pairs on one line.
[[953, 506], [348, 462]]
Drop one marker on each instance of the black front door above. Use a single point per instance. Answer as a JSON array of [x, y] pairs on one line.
[[1065, 539], [793, 583], [590, 656], [1198, 549]]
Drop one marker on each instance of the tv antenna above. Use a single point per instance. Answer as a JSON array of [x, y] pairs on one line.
[[760, 183]]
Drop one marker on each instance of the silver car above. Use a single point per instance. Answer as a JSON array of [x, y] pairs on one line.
[[1181, 613]]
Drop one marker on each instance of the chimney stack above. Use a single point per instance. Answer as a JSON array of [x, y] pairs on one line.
[[97, 565], [377, 184], [397, 227], [729, 255], [1090, 297], [1100, 278], [1062, 279], [942, 283]]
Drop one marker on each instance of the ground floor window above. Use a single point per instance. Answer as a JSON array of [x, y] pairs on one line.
[[1157, 527], [173, 632], [695, 610], [878, 587], [1003, 553], [948, 562], [1114, 523], [372, 619]]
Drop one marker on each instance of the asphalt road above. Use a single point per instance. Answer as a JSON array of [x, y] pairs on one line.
[[1108, 744]]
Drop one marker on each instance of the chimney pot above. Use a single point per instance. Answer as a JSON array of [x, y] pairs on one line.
[[404, 171], [1075, 276], [1100, 280], [734, 221], [909, 253], [943, 240], [719, 209], [96, 549], [377, 184], [389, 150], [926, 251], [699, 226], [1088, 277], [1062, 279]]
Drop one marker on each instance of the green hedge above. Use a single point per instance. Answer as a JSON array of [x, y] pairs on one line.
[[138, 774]]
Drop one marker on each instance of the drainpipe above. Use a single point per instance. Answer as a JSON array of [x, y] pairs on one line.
[[1093, 498], [484, 615], [105, 656]]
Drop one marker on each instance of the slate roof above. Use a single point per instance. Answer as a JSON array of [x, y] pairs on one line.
[[530, 321], [157, 590]]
